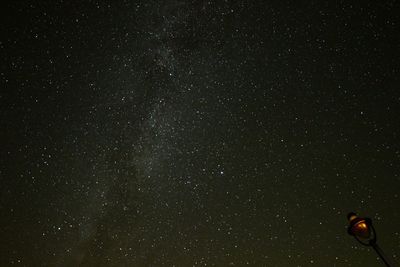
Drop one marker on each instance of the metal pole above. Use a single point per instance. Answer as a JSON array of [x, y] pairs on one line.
[[381, 255]]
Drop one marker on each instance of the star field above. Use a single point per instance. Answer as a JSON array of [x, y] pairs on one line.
[[197, 133]]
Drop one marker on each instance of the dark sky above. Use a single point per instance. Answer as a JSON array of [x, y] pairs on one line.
[[194, 133]]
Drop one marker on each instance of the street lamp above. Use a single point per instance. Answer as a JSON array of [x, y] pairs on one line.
[[364, 232]]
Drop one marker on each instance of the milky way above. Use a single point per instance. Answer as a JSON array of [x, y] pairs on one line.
[[193, 133]]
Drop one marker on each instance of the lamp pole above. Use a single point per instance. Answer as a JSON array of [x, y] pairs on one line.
[[380, 253], [364, 232]]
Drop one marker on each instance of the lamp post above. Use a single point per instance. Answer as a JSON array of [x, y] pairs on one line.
[[364, 232]]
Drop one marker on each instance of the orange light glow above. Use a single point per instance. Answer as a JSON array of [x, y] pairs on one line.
[[361, 229]]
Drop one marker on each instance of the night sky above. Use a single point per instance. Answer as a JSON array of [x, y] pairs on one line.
[[198, 133]]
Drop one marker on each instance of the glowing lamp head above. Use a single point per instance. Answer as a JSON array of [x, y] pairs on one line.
[[361, 229]]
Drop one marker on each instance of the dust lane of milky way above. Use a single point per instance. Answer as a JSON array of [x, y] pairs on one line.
[[197, 133]]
